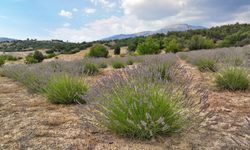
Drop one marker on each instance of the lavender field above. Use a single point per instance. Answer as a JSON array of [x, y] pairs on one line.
[[164, 101]]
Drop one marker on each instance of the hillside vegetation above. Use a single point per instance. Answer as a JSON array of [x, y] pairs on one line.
[[51, 46], [215, 37]]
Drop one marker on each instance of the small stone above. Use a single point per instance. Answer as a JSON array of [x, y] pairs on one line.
[[111, 142]]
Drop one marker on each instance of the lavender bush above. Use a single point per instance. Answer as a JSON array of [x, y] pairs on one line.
[[90, 68], [139, 102], [224, 57], [36, 76], [65, 89], [233, 79], [206, 65]]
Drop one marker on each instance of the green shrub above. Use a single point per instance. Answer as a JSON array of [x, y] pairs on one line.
[[38, 56], [236, 39], [172, 46], [98, 51], [199, 42], [49, 51], [132, 47], [90, 68], [150, 46], [143, 111], [102, 65], [118, 64], [30, 59], [117, 50], [2, 61], [63, 89], [8, 57], [130, 62], [206, 65], [232, 79], [51, 55]]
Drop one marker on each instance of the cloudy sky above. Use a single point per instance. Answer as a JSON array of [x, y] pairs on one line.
[[87, 20]]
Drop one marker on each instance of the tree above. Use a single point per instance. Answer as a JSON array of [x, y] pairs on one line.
[[172, 46], [117, 50], [30, 59], [132, 47], [38, 56], [98, 50], [150, 46], [236, 39], [199, 42]]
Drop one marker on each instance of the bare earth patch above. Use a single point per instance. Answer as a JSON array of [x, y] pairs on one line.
[[27, 121]]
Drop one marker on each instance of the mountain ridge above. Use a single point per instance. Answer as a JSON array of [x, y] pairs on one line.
[[164, 30], [5, 39]]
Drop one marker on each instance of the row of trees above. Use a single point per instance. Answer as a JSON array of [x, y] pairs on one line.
[[152, 45], [223, 36]]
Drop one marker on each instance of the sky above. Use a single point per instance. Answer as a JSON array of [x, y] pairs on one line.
[[88, 20]]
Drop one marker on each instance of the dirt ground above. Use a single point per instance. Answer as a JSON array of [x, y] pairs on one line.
[[27, 121], [22, 53], [80, 55]]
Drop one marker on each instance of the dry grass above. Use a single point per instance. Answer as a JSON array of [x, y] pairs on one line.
[[80, 55], [55, 119]]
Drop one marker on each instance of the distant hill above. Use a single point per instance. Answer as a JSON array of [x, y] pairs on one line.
[[4, 39], [51, 46], [165, 30]]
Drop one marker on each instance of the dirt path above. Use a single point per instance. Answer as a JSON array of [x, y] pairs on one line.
[[27, 121], [229, 128]]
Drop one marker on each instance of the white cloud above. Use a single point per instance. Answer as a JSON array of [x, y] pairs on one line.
[[104, 3], [128, 23], [89, 10], [143, 15], [66, 25], [65, 13], [242, 16], [154, 9], [106, 27]]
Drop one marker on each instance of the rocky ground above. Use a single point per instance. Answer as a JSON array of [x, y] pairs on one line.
[[27, 121]]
